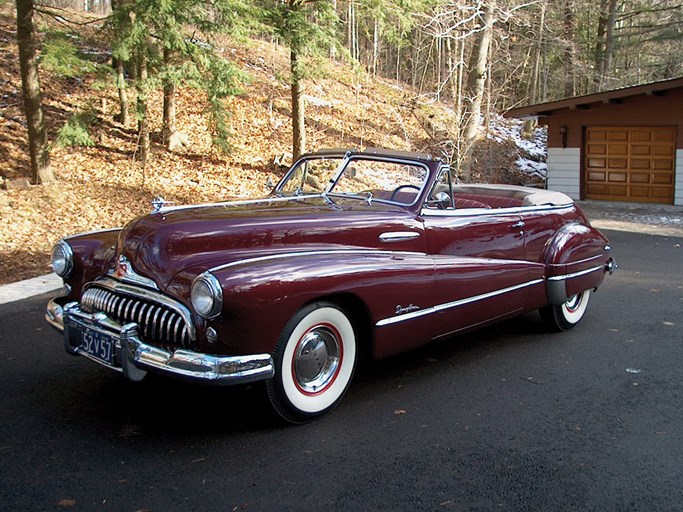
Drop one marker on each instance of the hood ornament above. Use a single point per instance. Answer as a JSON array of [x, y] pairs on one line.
[[158, 203], [124, 272]]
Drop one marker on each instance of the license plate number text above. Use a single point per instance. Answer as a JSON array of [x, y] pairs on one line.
[[98, 345]]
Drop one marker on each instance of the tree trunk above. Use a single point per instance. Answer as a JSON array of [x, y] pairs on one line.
[[298, 119], [375, 47], [535, 79], [30, 87], [169, 124], [599, 52], [476, 84], [569, 53], [439, 60], [398, 53], [452, 69], [124, 116], [478, 69], [143, 114], [124, 109], [609, 41], [457, 91], [333, 47], [352, 28]]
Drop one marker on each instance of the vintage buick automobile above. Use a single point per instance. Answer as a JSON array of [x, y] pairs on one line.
[[355, 253]]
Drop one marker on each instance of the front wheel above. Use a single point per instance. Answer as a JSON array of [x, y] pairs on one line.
[[314, 359], [567, 315]]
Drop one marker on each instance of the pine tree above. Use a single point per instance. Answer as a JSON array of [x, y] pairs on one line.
[[308, 28], [30, 84], [157, 41]]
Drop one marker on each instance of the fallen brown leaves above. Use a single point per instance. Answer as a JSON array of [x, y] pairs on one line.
[[103, 186]]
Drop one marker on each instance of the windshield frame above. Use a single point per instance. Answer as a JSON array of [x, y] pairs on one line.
[[346, 159], [368, 197]]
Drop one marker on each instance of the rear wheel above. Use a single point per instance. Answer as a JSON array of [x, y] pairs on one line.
[[566, 315], [314, 359]]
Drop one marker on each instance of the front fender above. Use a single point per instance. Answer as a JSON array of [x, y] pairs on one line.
[[260, 295], [93, 254], [576, 259]]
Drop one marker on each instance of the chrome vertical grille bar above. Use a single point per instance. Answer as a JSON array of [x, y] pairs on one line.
[[162, 324], [158, 322]]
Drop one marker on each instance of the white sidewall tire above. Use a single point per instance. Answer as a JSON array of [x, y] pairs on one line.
[[314, 404], [566, 315], [572, 313]]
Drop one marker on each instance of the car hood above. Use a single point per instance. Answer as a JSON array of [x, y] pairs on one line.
[[162, 244]]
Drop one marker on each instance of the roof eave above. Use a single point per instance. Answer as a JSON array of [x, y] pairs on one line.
[[601, 98]]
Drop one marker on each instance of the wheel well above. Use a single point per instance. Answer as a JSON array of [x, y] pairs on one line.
[[359, 317]]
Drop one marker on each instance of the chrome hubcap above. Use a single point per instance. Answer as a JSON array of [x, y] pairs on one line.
[[316, 359], [573, 303]]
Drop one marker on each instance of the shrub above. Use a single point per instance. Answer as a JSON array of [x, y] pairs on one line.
[[60, 55], [75, 131]]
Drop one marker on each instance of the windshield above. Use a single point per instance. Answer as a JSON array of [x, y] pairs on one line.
[[398, 182], [365, 178]]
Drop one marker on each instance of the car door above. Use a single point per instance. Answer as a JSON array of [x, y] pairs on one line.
[[480, 271]]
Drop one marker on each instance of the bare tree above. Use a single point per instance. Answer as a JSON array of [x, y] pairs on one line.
[[169, 116], [478, 70], [604, 44], [298, 114], [143, 110]]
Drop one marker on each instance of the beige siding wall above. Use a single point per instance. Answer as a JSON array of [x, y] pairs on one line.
[[564, 171]]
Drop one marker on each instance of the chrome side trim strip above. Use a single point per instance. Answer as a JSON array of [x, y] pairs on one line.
[[455, 303], [285, 255], [576, 274], [398, 236], [468, 212]]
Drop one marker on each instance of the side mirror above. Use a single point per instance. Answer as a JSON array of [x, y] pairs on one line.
[[443, 200]]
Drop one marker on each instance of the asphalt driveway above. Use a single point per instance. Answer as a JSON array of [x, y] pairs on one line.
[[507, 418]]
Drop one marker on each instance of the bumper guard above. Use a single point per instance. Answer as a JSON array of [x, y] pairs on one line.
[[134, 358]]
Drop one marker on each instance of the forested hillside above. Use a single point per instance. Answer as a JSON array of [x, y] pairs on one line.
[[199, 101]]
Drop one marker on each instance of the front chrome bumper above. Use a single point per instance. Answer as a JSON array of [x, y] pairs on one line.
[[134, 358]]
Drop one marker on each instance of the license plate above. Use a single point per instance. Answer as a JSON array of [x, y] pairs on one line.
[[99, 345]]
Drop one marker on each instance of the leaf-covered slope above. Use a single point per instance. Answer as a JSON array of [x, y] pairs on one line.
[[103, 186]]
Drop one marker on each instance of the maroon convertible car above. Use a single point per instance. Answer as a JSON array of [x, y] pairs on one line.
[[353, 253]]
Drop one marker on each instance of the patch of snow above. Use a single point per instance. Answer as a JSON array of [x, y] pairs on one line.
[[533, 153], [318, 102], [531, 167]]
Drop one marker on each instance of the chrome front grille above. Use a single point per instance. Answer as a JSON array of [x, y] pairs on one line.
[[157, 322]]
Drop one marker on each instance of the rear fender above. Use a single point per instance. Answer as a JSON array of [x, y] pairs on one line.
[[576, 259]]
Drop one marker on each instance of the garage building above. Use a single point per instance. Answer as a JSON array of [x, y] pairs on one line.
[[620, 145]]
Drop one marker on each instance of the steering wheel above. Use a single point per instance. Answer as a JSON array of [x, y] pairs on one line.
[[393, 194]]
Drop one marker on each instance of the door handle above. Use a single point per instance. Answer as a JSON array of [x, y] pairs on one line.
[[398, 236], [518, 225]]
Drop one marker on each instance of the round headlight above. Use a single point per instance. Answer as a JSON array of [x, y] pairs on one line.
[[207, 296], [62, 259]]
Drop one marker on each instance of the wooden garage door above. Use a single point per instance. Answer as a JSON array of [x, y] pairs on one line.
[[630, 164]]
